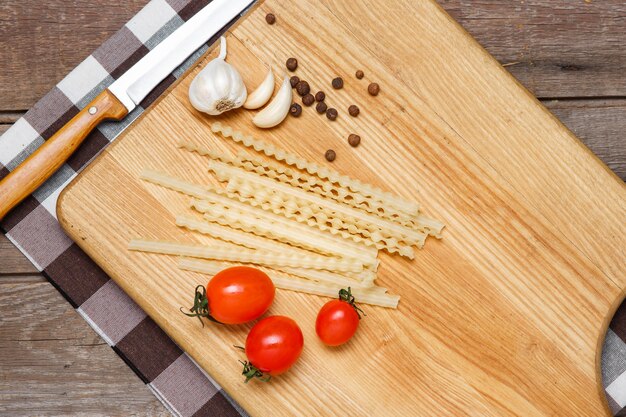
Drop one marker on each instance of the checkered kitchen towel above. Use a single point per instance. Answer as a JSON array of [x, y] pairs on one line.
[[33, 228]]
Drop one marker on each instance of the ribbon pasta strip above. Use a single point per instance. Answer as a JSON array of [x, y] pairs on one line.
[[362, 221], [259, 257], [238, 219], [219, 196], [371, 296], [291, 208], [309, 183], [254, 242], [270, 150], [232, 200]]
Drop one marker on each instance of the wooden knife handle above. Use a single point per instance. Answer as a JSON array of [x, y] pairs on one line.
[[50, 156]]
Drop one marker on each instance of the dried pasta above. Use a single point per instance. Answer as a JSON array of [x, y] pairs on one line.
[[324, 276], [309, 183], [252, 241], [238, 219], [283, 281], [361, 220], [219, 196], [367, 190], [259, 257], [350, 249]]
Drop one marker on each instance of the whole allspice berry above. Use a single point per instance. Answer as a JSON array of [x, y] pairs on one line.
[[321, 107], [330, 155], [354, 110], [337, 83], [302, 88], [320, 96], [359, 74], [308, 100], [270, 18], [295, 110], [373, 89], [292, 64], [331, 114], [294, 81], [354, 140]]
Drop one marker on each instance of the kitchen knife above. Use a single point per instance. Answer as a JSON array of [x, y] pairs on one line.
[[118, 100]]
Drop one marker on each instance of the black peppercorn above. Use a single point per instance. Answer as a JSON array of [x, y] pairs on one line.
[[292, 64], [330, 155], [331, 113], [337, 83], [321, 107], [354, 110], [354, 140], [295, 110], [373, 89], [294, 81], [308, 100], [359, 74], [320, 96], [303, 88], [270, 19]]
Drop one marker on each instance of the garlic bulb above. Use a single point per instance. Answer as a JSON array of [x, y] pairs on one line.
[[277, 110], [262, 94], [218, 87]]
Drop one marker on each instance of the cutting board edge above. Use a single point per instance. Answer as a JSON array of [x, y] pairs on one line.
[[600, 348], [622, 296], [531, 96]]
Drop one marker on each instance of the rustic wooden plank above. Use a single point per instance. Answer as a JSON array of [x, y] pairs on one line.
[[12, 261], [53, 363], [21, 279], [600, 124], [9, 117], [564, 48], [42, 41]]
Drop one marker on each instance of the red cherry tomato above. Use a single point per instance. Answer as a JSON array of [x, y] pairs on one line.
[[337, 320], [239, 294], [273, 346], [233, 296]]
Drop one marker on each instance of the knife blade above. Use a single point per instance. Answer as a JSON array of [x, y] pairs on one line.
[[115, 102], [136, 83]]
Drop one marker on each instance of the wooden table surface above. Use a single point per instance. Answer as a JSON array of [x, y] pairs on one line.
[[569, 53]]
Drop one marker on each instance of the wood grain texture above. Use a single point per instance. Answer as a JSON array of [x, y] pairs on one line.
[[534, 302], [600, 124], [13, 262], [561, 48], [43, 41], [565, 48], [532, 139], [54, 364]]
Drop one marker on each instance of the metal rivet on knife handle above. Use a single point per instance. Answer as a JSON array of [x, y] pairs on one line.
[[118, 99], [39, 166]]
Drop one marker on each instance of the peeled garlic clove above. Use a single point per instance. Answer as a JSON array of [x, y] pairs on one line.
[[262, 94], [277, 110]]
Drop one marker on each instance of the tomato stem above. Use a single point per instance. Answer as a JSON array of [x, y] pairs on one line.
[[250, 371], [200, 306], [346, 295]]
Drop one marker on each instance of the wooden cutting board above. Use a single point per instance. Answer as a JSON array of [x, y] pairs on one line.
[[504, 316]]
